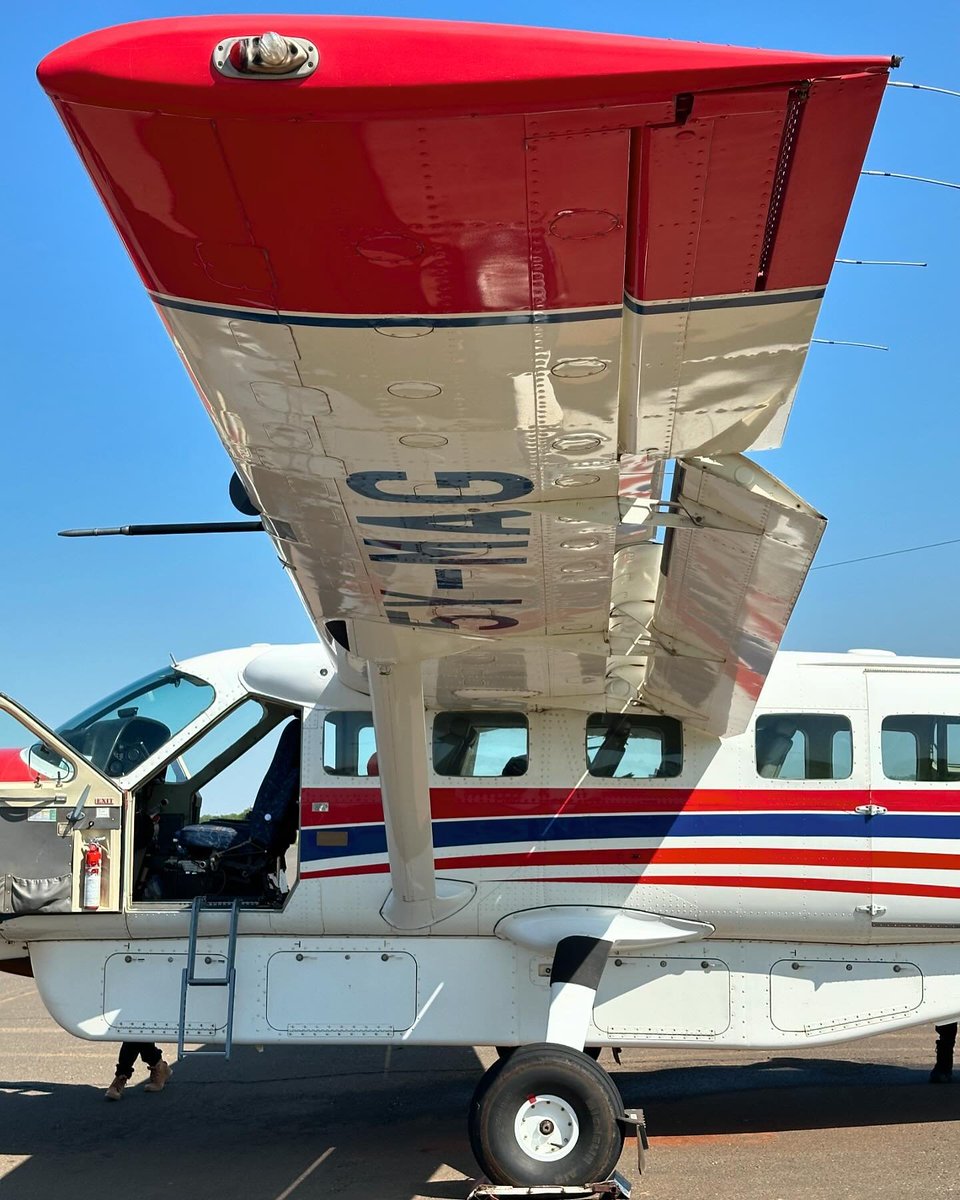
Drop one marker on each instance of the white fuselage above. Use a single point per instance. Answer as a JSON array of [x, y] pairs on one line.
[[833, 902]]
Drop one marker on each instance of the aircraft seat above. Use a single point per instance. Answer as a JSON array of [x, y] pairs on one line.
[[773, 747], [271, 825]]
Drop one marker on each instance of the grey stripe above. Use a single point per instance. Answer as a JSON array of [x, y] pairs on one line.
[[474, 321], [266, 317], [646, 308]]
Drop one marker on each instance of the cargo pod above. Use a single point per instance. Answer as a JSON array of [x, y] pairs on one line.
[[60, 824]]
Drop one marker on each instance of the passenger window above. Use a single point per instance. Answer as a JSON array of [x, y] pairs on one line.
[[623, 746], [350, 744], [475, 744], [921, 749], [804, 746]]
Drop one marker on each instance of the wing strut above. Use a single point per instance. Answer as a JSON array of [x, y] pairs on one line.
[[418, 898]]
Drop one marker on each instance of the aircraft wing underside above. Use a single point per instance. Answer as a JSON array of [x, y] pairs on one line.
[[453, 299]]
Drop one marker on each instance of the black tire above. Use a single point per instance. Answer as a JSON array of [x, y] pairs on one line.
[[576, 1080], [591, 1051]]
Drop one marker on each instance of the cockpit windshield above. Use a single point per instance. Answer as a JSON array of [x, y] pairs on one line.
[[121, 731]]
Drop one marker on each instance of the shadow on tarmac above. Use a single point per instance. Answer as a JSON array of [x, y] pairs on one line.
[[780, 1094], [301, 1123], [295, 1122]]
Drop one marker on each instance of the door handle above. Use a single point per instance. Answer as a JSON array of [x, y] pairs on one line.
[[76, 813], [870, 810]]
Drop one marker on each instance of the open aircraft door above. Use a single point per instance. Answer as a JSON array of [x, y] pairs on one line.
[[913, 810], [60, 824]]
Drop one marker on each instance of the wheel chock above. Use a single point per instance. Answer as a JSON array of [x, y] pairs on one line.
[[634, 1125]]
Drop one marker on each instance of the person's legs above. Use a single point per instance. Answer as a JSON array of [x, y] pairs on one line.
[[151, 1053], [125, 1060], [129, 1052], [946, 1040], [160, 1071]]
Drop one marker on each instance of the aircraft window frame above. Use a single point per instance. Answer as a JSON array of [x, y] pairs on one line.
[[669, 733], [165, 792], [271, 715], [449, 760], [163, 805], [355, 754], [934, 729], [813, 727], [123, 743]]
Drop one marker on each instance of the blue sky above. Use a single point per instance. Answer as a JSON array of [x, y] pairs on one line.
[[102, 427]]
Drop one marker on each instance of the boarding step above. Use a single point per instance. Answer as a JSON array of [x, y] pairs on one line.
[[614, 1188], [189, 979]]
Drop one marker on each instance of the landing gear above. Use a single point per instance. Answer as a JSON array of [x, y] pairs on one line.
[[546, 1115]]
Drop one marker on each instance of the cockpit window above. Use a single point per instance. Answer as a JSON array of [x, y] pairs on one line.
[[121, 731]]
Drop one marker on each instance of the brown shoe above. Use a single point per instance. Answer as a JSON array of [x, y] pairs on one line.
[[115, 1090], [159, 1077]]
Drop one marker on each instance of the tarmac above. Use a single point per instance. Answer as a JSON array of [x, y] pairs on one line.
[[858, 1120]]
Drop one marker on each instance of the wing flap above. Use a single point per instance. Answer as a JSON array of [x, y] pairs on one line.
[[726, 594]]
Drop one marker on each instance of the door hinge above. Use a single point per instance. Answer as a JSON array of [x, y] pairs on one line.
[[872, 910], [870, 810]]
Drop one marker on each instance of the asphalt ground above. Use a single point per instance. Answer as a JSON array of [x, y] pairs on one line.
[[365, 1123]]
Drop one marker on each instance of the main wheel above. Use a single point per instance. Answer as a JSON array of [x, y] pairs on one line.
[[592, 1051], [547, 1115]]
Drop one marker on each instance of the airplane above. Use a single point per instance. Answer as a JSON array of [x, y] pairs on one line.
[[454, 296]]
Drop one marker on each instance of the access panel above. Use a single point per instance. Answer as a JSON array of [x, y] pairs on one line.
[[341, 993], [663, 997], [812, 995]]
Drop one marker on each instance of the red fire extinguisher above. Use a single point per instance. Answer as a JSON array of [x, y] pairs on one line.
[[92, 864]]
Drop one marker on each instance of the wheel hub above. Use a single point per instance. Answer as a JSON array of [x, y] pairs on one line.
[[546, 1128]]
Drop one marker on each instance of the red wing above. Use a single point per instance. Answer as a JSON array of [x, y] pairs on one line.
[[442, 295]]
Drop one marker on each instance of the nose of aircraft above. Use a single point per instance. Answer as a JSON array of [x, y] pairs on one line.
[[13, 769]]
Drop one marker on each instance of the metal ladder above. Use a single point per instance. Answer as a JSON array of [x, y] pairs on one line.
[[228, 980]]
